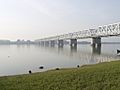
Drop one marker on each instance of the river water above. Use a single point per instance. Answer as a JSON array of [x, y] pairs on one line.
[[19, 59]]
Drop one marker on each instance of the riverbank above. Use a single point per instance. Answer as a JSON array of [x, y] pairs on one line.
[[103, 76]]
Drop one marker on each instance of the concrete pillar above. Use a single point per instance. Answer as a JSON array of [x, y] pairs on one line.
[[96, 41], [46, 43], [96, 45], [60, 43], [39, 43], [42, 43], [73, 43], [52, 43]]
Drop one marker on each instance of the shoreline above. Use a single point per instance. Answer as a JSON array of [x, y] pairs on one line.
[[54, 69], [99, 76]]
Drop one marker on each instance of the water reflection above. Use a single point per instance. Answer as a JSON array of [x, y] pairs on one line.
[[73, 49], [87, 58], [96, 49], [31, 57]]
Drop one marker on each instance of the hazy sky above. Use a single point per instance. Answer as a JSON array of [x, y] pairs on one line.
[[33, 19]]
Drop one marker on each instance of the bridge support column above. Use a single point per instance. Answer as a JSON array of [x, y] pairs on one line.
[[39, 43], [73, 44], [46, 43], [96, 45], [60, 43], [42, 43], [52, 43], [96, 41]]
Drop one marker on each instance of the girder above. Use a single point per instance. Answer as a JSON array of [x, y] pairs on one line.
[[101, 31]]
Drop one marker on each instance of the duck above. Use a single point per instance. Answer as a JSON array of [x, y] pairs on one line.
[[41, 67], [118, 52]]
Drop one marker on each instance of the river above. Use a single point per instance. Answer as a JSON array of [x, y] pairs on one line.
[[19, 59]]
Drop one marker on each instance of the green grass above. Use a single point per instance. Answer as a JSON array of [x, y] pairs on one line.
[[104, 76]]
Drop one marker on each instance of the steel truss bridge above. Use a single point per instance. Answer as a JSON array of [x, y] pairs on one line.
[[101, 31], [95, 34]]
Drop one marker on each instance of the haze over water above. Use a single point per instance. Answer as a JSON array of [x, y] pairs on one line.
[[19, 59]]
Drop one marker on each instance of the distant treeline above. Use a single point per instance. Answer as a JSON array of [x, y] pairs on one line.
[[16, 42], [33, 42]]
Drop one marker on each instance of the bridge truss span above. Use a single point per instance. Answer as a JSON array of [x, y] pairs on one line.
[[109, 30], [101, 31]]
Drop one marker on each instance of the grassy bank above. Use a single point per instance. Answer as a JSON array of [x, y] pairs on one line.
[[104, 76]]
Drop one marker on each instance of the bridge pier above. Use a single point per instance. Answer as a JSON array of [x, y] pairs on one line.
[[42, 43], [96, 45], [46, 43], [60, 43], [52, 43], [96, 41], [96, 50], [38, 43], [73, 43]]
